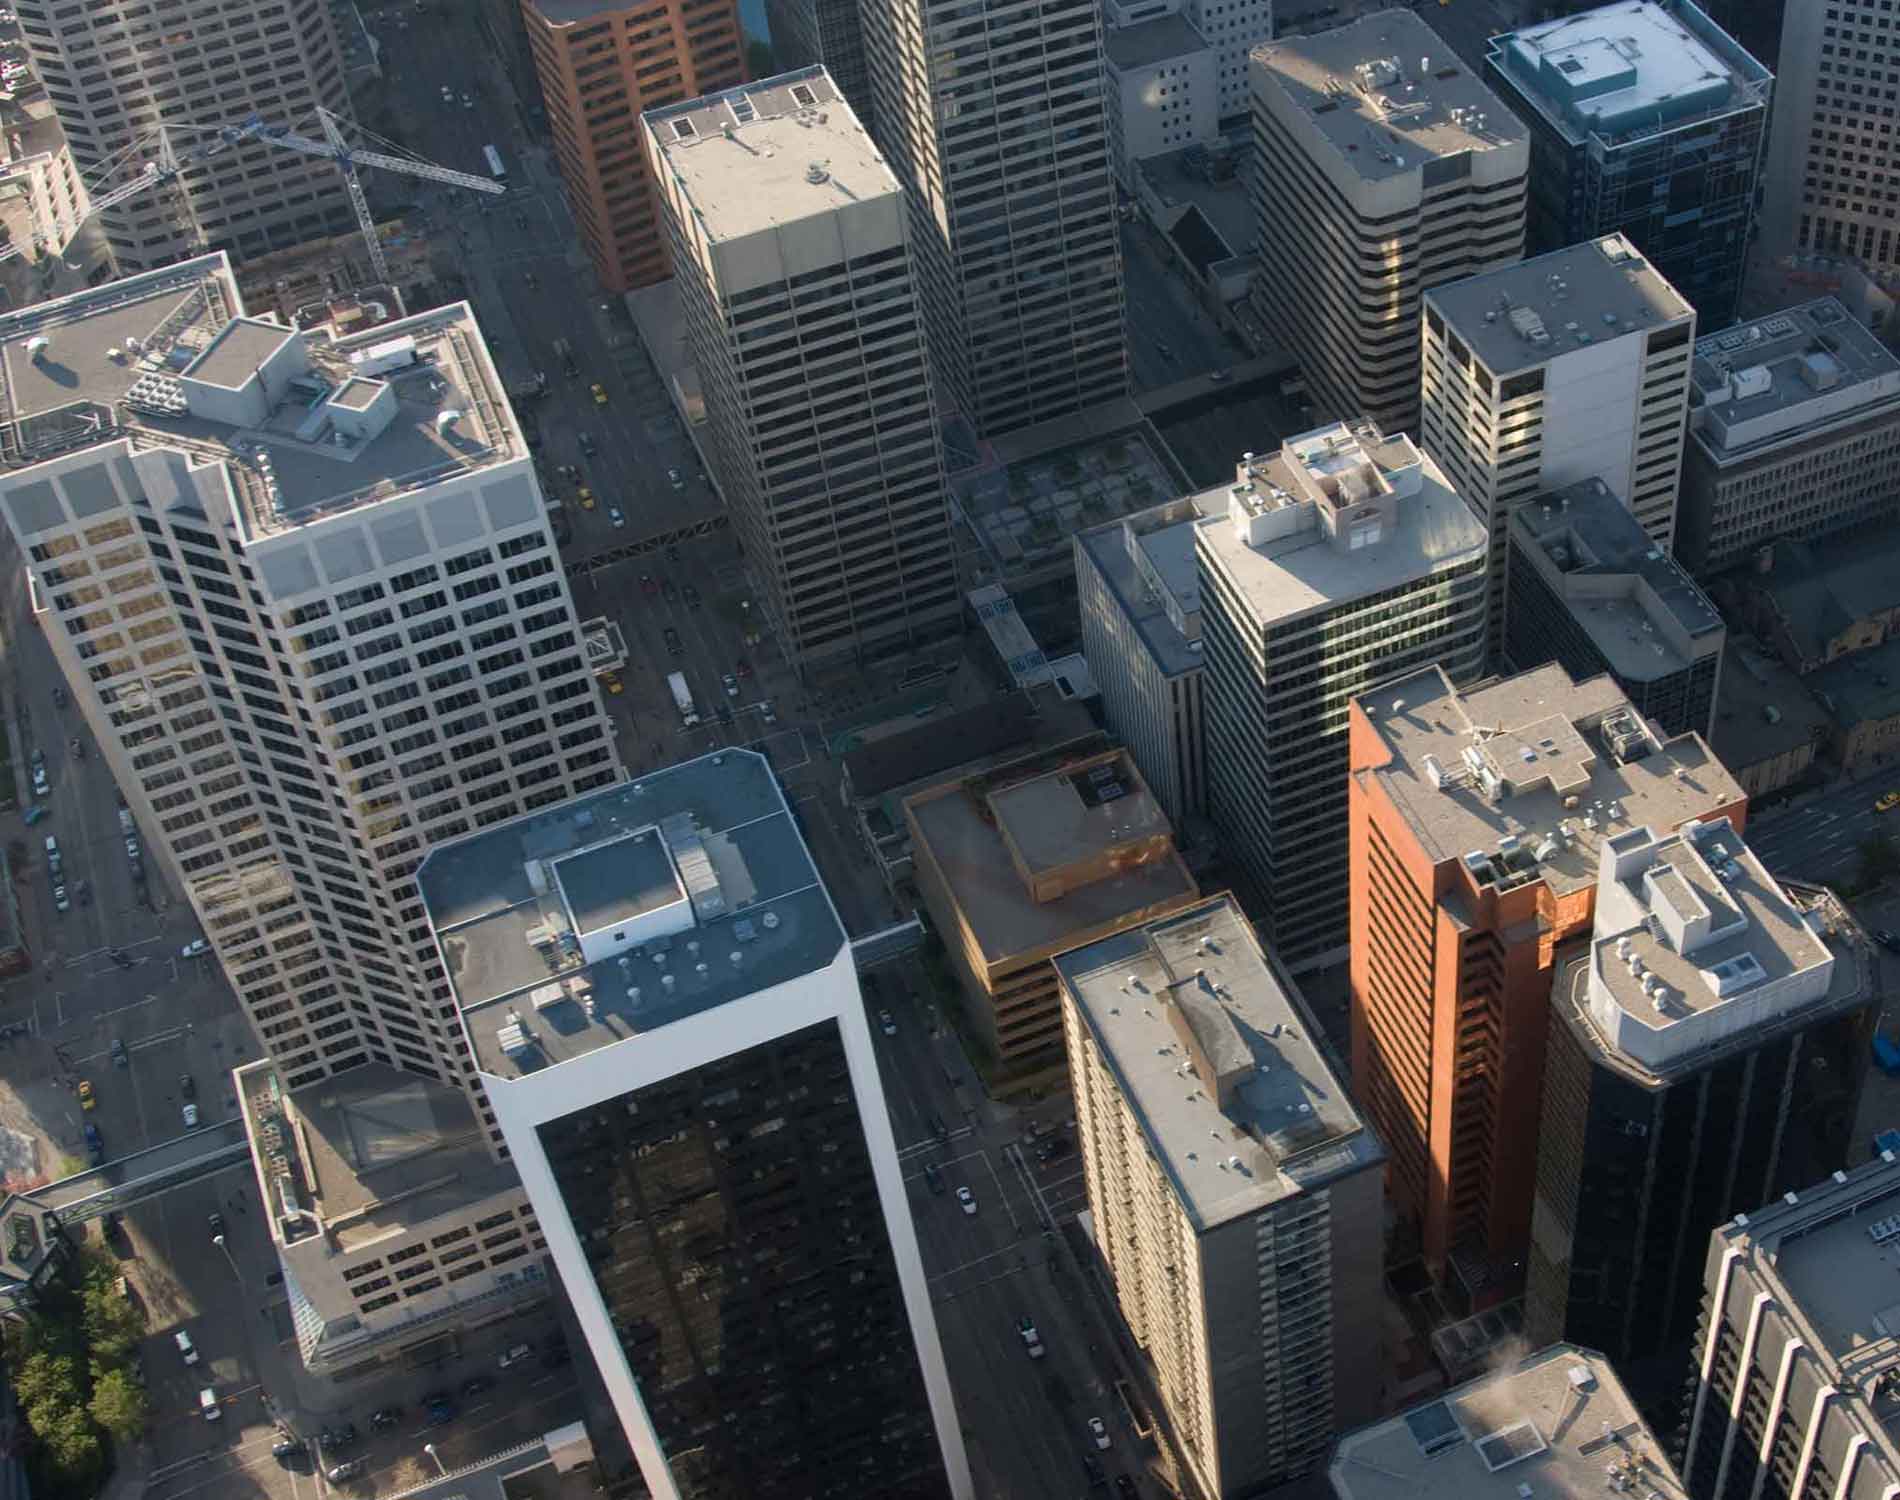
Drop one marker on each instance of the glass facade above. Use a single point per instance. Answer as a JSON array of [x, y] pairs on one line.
[[733, 1228]]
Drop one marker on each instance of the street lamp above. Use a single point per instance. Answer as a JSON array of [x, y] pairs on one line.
[[218, 1240], [441, 1468]]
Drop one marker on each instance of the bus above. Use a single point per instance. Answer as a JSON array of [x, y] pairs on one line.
[[495, 169]]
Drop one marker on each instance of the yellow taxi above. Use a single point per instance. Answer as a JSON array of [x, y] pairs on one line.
[[1887, 802], [600, 394], [611, 681], [586, 497], [86, 1101]]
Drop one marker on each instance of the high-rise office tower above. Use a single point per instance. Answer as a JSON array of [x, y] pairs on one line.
[[1649, 121], [600, 63], [1705, 1053], [1343, 558], [1827, 189], [1794, 1370], [305, 595], [1382, 167], [117, 69], [827, 34], [1477, 817], [1235, 1191], [1557, 1424], [1591, 591], [1571, 366], [665, 1011], [792, 253], [1138, 588], [1233, 28], [994, 121], [1794, 431]]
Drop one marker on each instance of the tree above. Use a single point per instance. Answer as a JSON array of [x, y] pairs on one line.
[[47, 1378], [71, 1442], [113, 1325], [119, 1404]]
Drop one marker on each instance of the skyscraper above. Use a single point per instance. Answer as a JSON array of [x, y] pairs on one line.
[[665, 1011], [994, 122], [305, 596], [1476, 821], [1382, 167], [1342, 558], [1569, 366], [1705, 1053], [1647, 120], [827, 34], [1248, 1270], [600, 63], [792, 253], [118, 69]]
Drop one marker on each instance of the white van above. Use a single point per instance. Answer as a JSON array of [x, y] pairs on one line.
[[208, 1404], [194, 948], [185, 1348]]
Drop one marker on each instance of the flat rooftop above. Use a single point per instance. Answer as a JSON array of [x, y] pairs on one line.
[[1389, 93], [1541, 740], [167, 360], [1284, 1121], [1552, 1426], [372, 1152], [1634, 601], [973, 830], [769, 153], [1823, 590], [1762, 709], [1300, 571], [1802, 372], [1149, 42], [696, 863], [1626, 68], [1528, 314], [1841, 1279], [1147, 563]]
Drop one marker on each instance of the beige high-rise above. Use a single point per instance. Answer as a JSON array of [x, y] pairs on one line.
[[117, 69]]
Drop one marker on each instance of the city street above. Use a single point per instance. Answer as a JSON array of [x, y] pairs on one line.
[[1818, 837]]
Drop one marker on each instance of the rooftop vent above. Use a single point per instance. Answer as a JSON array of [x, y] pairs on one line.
[[446, 419], [816, 173], [37, 346]]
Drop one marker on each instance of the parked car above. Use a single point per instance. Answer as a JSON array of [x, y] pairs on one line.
[[347, 1470], [187, 1350], [1098, 1431], [385, 1417], [616, 516], [887, 1023], [730, 684], [120, 1059], [187, 1086], [95, 1144], [966, 1200], [194, 948], [34, 812], [84, 1090], [438, 1410], [514, 1355], [610, 680], [286, 1447], [334, 1438], [215, 1223], [190, 1112], [40, 783], [585, 496], [933, 1177], [600, 394], [208, 1405], [673, 646], [1887, 802], [676, 479]]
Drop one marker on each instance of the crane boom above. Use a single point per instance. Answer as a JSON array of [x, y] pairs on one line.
[[387, 163]]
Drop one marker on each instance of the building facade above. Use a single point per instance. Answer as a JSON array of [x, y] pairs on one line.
[[827, 34], [1794, 432], [1163, 90], [1649, 121], [1569, 366], [115, 71], [1706, 1051], [1344, 558], [1249, 1273], [665, 1010], [1828, 117], [1138, 589], [1792, 1374], [1590, 590], [1476, 821], [1382, 167], [793, 257], [601, 63], [997, 128]]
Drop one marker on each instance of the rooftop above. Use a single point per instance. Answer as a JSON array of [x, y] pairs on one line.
[[1695, 943], [368, 1153], [1630, 69], [1291, 532], [1087, 844], [1389, 94], [1762, 709], [1147, 562], [167, 359], [1798, 373], [617, 912], [1220, 1062], [1524, 778], [769, 153], [1862, 687], [1537, 310], [1823, 590], [1554, 1425], [1639, 608], [1149, 42], [932, 749]]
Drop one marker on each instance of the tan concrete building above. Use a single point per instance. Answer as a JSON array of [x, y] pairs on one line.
[[601, 64], [1033, 859], [1248, 1269], [1384, 166], [1768, 726]]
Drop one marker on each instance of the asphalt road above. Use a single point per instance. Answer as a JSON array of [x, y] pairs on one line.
[[1170, 335], [1818, 838]]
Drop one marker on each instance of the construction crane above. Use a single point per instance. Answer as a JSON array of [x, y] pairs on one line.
[[168, 163]]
